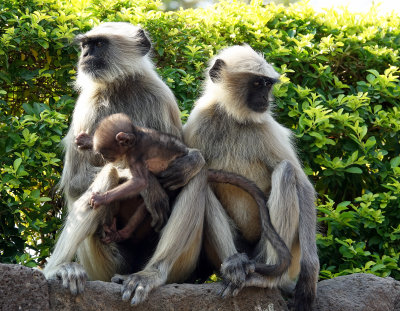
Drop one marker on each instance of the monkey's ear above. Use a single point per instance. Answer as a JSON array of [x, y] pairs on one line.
[[215, 71], [125, 139], [144, 42]]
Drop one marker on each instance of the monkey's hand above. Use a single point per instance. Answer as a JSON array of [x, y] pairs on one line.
[[139, 284], [157, 203], [235, 270], [181, 170], [97, 199], [84, 141], [73, 276]]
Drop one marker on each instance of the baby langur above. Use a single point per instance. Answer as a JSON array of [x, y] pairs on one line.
[[146, 150]]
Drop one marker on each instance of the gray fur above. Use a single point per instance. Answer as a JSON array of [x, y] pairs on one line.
[[128, 84], [234, 138]]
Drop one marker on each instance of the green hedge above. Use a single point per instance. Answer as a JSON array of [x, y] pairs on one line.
[[340, 96]]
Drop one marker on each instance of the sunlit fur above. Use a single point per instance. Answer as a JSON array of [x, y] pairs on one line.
[[133, 87], [234, 138]]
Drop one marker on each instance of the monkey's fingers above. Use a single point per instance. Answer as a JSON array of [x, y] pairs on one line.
[[173, 181], [141, 294], [96, 200], [140, 285], [236, 268], [119, 278], [73, 277], [229, 290], [106, 240]]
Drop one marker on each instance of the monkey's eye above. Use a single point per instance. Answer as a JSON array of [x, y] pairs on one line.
[[99, 44], [258, 82], [84, 45]]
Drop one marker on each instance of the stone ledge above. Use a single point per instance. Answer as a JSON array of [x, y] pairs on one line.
[[23, 288]]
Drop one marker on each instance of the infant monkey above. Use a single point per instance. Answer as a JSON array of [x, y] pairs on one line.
[[144, 150]]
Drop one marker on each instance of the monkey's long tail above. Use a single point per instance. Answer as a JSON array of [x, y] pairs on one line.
[[268, 229]]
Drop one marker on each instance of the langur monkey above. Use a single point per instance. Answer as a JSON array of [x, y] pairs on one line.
[[233, 127], [146, 150], [116, 75]]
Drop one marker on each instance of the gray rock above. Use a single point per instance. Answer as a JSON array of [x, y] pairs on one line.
[[172, 297], [359, 292], [22, 288]]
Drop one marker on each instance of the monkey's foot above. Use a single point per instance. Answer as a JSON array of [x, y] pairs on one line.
[[139, 284], [73, 277], [235, 270], [112, 234]]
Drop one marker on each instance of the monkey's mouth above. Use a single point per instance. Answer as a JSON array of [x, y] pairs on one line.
[[93, 66], [260, 106]]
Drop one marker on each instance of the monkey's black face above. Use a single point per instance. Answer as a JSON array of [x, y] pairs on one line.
[[259, 88], [94, 55]]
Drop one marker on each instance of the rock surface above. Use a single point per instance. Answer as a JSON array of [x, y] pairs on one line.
[[359, 292], [23, 288]]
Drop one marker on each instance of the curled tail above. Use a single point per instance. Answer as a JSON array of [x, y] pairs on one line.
[[268, 230]]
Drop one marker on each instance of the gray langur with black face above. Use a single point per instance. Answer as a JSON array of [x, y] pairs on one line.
[[232, 125], [115, 75]]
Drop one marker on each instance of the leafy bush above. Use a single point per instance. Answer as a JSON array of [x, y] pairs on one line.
[[339, 94]]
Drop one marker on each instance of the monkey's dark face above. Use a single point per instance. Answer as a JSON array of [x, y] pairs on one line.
[[258, 95], [250, 89], [94, 55]]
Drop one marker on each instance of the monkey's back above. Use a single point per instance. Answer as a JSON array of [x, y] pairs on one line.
[[160, 149]]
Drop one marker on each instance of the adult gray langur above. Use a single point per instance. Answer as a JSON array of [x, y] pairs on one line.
[[232, 125], [115, 75]]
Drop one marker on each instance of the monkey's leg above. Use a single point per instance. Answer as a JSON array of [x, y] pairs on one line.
[[220, 246], [82, 221], [179, 246], [157, 202], [306, 286], [283, 206], [292, 212]]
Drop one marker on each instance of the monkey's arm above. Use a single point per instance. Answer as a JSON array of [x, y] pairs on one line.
[[182, 169], [131, 187], [156, 201]]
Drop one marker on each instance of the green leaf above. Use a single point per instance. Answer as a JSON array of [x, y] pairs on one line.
[[17, 163], [354, 170], [395, 162]]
